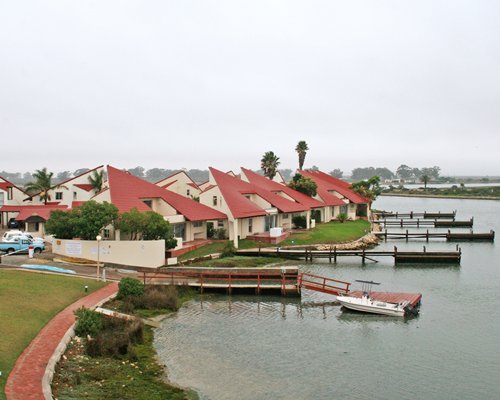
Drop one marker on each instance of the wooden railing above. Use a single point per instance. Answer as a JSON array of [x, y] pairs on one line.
[[323, 284]]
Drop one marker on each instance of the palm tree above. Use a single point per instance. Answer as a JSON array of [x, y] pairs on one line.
[[42, 184], [269, 164], [96, 180], [301, 150], [425, 179]]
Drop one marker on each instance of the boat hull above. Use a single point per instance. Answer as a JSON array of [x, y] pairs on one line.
[[372, 307]]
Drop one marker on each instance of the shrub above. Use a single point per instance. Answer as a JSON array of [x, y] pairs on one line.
[[116, 338], [220, 234], [129, 287], [300, 221], [88, 322], [342, 217], [229, 250], [158, 297]]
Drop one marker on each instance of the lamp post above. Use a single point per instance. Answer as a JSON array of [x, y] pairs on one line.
[[98, 238]]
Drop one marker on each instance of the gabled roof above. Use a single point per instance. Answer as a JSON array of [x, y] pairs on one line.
[[6, 184], [192, 183], [26, 211], [327, 183], [128, 192], [275, 187], [30, 196], [234, 190], [85, 186]]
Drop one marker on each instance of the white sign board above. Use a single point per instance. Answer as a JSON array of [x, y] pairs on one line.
[[73, 248]]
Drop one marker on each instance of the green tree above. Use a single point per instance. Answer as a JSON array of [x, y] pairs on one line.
[[369, 189], [301, 150], [404, 172], [425, 180], [85, 221], [96, 179], [337, 173], [62, 224], [42, 184], [304, 185], [147, 225], [269, 164]]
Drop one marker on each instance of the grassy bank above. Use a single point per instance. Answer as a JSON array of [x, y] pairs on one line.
[[27, 302], [130, 373], [328, 233], [458, 192]]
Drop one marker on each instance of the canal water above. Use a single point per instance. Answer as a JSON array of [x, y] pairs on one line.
[[247, 347]]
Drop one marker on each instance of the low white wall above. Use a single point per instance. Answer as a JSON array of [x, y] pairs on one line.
[[137, 253]]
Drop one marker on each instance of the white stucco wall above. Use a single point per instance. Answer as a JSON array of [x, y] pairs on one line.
[[137, 253]]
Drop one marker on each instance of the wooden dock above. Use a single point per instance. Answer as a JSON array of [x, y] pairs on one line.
[[333, 254], [412, 215], [449, 236], [282, 279], [417, 223]]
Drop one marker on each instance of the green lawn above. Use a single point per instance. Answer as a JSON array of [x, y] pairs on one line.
[[241, 262], [27, 302], [329, 233]]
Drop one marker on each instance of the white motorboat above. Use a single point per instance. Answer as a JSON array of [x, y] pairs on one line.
[[369, 305]]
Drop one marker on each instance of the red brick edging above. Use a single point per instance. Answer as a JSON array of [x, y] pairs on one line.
[[25, 379]]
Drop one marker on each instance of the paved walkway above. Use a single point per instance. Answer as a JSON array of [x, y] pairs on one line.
[[25, 379]]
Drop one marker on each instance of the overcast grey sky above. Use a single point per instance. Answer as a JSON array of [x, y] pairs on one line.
[[190, 84]]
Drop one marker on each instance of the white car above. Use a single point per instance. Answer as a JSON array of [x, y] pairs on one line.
[[11, 236]]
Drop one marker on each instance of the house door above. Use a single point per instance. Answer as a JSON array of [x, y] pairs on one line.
[[270, 221], [180, 231]]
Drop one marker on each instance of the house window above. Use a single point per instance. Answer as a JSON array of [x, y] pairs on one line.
[[220, 224], [10, 193], [214, 200], [105, 233], [59, 195], [197, 224], [188, 192], [250, 225], [1, 199], [343, 209], [149, 203], [74, 195], [285, 216]]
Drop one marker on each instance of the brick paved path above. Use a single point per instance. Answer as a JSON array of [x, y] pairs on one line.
[[25, 379]]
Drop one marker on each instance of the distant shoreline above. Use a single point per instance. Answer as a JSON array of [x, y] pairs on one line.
[[440, 196]]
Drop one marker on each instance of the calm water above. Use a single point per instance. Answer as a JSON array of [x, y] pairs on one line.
[[274, 348]]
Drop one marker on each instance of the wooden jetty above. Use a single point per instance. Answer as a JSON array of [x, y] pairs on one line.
[[412, 215], [333, 254], [449, 236], [279, 279], [323, 284], [417, 223]]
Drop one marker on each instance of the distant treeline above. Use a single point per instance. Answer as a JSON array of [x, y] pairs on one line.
[[403, 172]]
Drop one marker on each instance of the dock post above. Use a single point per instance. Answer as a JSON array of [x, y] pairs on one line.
[[424, 249], [201, 283], [401, 222], [363, 257], [330, 255], [395, 254], [335, 254], [407, 236], [229, 289], [418, 223], [427, 236], [259, 250], [411, 214], [386, 234]]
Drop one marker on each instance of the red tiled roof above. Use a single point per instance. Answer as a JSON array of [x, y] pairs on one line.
[[234, 189], [76, 203], [85, 186], [274, 187], [42, 211], [194, 185], [128, 192], [327, 183]]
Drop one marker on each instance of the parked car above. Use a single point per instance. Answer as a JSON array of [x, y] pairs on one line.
[[21, 245], [11, 235], [13, 224]]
